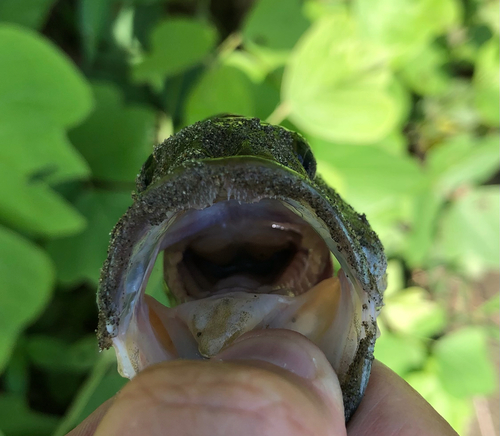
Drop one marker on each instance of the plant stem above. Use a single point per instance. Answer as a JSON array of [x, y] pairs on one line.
[[280, 113]]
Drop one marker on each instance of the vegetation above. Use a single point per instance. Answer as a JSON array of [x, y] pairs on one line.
[[398, 98]]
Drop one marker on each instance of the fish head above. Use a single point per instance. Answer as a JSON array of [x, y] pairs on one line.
[[252, 238]]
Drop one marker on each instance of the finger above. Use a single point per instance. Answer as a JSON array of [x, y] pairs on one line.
[[88, 426], [392, 407], [244, 391]]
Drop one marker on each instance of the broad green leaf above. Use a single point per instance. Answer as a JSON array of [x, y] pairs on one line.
[[57, 355], [27, 277], [221, 89], [400, 353], [412, 312], [403, 27], [463, 364], [335, 84], [41, 94], [370, 175], [487, 83], [176, 45], [395, 278], [424, 72], [427, 205], [470, 232], [456, 411], [17, 419], [31, 206], [29, 13], [463, 160], [276, 24], [116, 139], [80, 258], [7, 345]]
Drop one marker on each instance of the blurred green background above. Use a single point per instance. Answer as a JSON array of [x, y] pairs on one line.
[[398, 98]]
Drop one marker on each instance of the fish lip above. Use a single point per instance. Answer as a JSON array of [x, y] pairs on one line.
[[195, 185]]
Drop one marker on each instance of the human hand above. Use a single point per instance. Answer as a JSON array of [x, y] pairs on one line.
[[267, 383]]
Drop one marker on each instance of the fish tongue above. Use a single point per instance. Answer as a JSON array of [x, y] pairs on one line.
[[215, 322]]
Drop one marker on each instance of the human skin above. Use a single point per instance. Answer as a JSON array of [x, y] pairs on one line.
[[268, 383]]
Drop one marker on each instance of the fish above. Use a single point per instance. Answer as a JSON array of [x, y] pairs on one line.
[[251, 238]]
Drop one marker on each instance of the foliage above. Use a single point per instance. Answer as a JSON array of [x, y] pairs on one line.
[[399, 99]]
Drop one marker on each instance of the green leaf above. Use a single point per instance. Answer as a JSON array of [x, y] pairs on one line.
[[176, 45], [463, 363], [276, 24], [117, 138], [42, 93], [462, 161], [369, 174], [427, 205], [16, 418], [400, 353], [424, 72], [403, 27], [92, 18], [470, 233], [412, 312], [27, 277], [57, 355], [79, 258], [456, 411], [222, 89], [31, 206], [29, 13], [395, 278], [335, 84], [487, 83]]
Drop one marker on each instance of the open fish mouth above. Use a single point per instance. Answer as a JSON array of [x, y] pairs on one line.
[[247, 244]]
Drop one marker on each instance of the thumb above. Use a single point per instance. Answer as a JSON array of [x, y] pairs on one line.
[[272, 382]]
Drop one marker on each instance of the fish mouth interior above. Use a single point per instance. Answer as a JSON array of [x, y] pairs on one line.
[[258, 247], [230, 268]]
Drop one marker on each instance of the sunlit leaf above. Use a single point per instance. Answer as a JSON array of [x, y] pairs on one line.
[[469, 231], [117, 138], [275, 24], [404, 26], [370, 174], [487, 83], [176, 45], [79, 258], [424, 73], [412, 312], [400, 353], [42, 94], [27, 277], [463, 363], [31, 206], [30, 13], [426, 206], [222, 89], [463, 160], [335, 84]]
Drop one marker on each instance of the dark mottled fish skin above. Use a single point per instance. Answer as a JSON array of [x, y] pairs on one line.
[[254, 157]]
